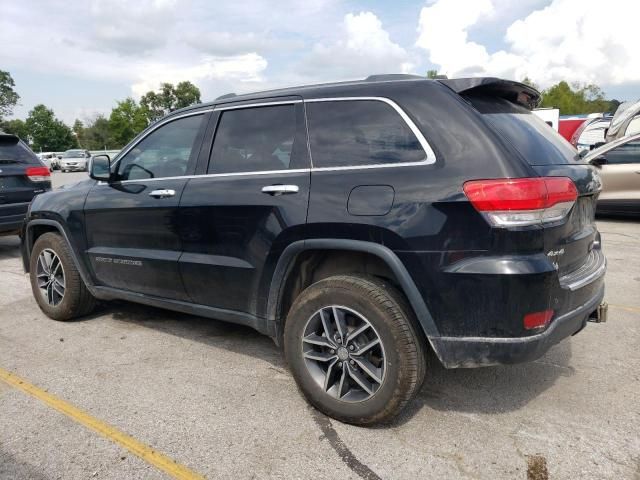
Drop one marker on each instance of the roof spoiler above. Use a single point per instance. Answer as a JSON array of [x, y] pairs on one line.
[[514, 92], [8, 138]]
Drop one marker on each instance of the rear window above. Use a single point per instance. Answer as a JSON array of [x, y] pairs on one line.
[[537, 142], [12, 151]]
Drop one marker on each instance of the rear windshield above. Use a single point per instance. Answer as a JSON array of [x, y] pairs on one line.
[[14, 151], [535, 140]]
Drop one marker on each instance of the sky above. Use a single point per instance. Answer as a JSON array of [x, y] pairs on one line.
[[80, 57]]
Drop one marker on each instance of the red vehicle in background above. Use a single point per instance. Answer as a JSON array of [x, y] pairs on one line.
[[568, 125]]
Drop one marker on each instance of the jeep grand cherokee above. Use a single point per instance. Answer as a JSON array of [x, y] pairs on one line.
[[359, 224]]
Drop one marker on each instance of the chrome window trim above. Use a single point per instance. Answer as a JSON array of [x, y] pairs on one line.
[[430, 154], [253, 105], [429, 159]]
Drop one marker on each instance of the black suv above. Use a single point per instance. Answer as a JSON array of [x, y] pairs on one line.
[[359, 224], [22, 176]]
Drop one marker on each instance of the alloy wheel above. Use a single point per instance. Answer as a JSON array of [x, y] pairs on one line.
[[343, 353], [50, 277]]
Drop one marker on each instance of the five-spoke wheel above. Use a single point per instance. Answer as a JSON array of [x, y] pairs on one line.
[[351, 345]]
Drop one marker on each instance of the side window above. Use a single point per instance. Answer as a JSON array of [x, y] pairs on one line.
[[627, 153], [163, 153], [254, 139], [359, 132]]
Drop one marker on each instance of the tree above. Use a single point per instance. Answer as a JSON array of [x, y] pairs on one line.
[[531, 83], [78, 131], [575, 100], [46, 132], [17, 127], [8, 96], [97, 135], [432, 74], [126, 121], [169, 98]]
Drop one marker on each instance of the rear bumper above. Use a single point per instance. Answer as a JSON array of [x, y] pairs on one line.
[[465, 352]]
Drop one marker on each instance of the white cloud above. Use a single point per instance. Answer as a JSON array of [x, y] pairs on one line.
[[240, 68], [131, 28], [235, 43], [364, 48], [573, 40]]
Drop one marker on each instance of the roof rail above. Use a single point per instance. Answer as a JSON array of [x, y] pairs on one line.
[[392, 76], [226, 95]]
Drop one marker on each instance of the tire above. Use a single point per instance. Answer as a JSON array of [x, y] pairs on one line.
[[75, 300], [397, 361]]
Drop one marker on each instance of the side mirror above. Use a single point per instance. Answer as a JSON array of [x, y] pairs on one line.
[[599, 161], [100, 168]]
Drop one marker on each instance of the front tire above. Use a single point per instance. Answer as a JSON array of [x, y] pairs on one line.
[[352, 346], [55, 281]]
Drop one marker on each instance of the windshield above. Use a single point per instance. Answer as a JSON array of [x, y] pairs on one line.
[[73, 154], [537, 142]]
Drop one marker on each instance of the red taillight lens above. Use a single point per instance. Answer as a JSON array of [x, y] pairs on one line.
[[38, 174], [522, 201], [537, 319]]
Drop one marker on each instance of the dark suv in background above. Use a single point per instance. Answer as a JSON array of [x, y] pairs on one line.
[[22, 176], [359, 224]]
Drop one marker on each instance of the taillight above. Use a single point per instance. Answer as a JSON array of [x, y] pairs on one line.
[[537, 319], [522, 201], [38, 174]]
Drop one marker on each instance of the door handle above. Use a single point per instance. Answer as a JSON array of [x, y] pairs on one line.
[[162, 193], [280, 189]]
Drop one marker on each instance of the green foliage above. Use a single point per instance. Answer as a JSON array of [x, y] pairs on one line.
[[157, 104], [47, 133], [432, 74], [126, 121], [575, 99], [97, 135], [17, 127], [8, 96]]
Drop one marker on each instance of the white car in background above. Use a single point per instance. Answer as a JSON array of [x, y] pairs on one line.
[[49, 159], [74, 160]]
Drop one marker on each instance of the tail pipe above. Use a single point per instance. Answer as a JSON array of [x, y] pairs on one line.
[[599, 315]]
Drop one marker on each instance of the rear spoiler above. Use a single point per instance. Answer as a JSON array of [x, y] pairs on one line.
[[514, 92], [8, 138]]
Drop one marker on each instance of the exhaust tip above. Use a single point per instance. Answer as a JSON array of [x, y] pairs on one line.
[[599, 315]]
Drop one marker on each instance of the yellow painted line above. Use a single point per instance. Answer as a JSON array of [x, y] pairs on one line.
[[626, 307], [143, 451]]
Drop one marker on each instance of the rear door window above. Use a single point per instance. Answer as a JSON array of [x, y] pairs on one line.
[[537, 142], [358, 133], [256, 139]]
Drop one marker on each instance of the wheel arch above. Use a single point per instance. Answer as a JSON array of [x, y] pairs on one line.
[[286, 268], [38, 227]]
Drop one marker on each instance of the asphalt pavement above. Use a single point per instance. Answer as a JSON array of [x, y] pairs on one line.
[[218, 398]]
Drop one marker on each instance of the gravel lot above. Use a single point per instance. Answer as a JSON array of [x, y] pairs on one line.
[[218, 398]]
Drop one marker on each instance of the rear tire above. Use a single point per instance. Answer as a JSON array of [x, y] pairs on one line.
[[55, 281], [327, 360]]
